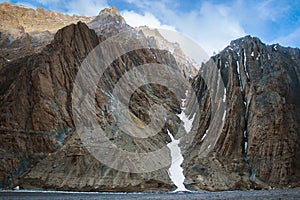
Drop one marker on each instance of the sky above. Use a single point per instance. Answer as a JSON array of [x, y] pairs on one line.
[[210, 23]]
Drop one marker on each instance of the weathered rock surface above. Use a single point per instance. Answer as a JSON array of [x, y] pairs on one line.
[[260, 134]]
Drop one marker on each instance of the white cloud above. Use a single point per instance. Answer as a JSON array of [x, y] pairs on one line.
[[213, 26], [134, 19], [271, 9], [86, 7]]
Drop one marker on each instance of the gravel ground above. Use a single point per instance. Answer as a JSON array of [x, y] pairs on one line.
[[241, 195]]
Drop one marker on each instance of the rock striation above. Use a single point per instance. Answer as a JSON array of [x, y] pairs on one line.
[[258, 145], [35, 99], [43, 109]]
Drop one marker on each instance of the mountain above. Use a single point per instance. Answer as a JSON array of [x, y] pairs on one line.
[[259, 140], [243, 104], [36, 108]]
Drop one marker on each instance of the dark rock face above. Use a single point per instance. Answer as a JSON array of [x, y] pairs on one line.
[[260, 135]]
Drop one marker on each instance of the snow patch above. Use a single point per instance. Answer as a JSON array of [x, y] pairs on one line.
[[258, 56], [224, 97], [175, 171], [245, 65], [224, 115], [245, 133], [204, 135], [226, 64], [17, 188], [187, 122], [246, 146], [239, 75]]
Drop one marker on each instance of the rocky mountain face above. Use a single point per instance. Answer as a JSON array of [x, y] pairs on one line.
[[259, 141], [245, 131], [73, 167], [38, 88], [36, 108]]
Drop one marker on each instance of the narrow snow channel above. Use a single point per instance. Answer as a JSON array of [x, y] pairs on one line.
[[175, 171]]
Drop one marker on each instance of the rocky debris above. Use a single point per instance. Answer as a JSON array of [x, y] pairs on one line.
[[260, 134], [24, 45]]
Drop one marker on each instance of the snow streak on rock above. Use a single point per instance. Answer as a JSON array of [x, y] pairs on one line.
[[239, 75], [176, 171], [187, 122]]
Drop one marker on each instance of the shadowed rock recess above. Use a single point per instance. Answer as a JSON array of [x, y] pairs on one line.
[[253, 144]]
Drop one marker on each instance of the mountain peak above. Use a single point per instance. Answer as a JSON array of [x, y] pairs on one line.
[[113, 11], [108, 13], [108, 17]]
